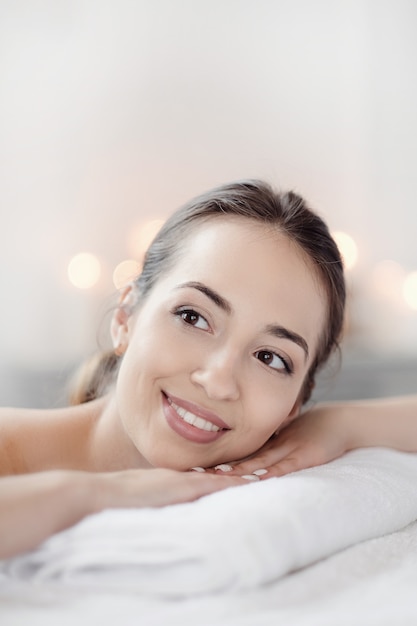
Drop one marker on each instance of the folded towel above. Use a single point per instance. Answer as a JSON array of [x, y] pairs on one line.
[[238, 538]]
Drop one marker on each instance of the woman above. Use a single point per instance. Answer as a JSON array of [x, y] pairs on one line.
[[240, 301]]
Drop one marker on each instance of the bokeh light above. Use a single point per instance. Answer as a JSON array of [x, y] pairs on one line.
[[84, 270], [125, 272], [387, 279], [410, 290], [348, 248], [141, 236]]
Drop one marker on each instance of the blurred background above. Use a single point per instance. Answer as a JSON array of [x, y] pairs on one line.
[[113, 113]]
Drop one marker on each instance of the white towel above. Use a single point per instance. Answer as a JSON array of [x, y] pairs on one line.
[[235, 539]]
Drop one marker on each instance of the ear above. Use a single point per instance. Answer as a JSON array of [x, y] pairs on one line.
[[119, 327]]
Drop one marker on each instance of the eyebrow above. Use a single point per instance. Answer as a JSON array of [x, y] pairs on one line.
[[284, 333], [210, 293], [272, 329]]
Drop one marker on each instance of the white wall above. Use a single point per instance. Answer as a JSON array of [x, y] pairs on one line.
[[117, 111]]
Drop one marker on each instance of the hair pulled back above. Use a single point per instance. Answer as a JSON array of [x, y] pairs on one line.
[[257, 201]]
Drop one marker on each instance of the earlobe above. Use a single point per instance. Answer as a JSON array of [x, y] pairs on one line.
[[119, 328], [120, 341]]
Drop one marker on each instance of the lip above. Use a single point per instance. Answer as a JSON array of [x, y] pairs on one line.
[[188, 431]]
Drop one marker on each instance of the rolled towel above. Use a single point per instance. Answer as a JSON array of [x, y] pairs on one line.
[[238, 538]]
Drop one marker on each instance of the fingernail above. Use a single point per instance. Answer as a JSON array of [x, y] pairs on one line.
[[198, 469], [224, 467], [260, 472], [250, 477]]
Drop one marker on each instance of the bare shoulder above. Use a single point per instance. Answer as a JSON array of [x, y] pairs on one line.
[[11, 425], [12, 419], [34, 440], [21, 434]]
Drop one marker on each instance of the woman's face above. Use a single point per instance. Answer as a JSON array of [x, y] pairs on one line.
[[218, 352]]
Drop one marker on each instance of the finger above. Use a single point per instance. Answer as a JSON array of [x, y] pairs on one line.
[[261, 463], [286, 466], [300, 459]]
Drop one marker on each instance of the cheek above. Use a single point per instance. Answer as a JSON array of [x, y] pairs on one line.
[[272, 401], [269, 412], [159, 353]]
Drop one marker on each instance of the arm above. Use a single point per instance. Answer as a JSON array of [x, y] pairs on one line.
[[35, 506], [330, 430]]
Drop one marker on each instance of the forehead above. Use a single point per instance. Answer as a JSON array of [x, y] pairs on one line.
[[257, 269]]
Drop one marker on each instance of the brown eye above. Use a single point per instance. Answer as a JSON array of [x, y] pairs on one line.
[[192, 318], [273, 360]]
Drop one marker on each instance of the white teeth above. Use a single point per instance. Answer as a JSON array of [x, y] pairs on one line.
[[192, 419]]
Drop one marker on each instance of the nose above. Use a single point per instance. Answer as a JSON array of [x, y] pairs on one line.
[[218, 375]]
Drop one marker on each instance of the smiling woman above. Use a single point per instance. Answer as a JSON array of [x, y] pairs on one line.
[[216, 346]]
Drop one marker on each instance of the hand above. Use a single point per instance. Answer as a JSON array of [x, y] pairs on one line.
[[156, 487], [317, 437]]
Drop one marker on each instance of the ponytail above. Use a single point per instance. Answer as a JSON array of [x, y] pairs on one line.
[[93, 378]]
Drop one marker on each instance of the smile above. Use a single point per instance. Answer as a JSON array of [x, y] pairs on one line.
[[192, 419]]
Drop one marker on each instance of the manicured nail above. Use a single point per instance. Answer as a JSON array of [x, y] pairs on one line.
[[224, 467], [250, 477], [198, 469], [260, 472]]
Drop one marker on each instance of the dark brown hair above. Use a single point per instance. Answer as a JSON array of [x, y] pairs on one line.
[[257, 201]]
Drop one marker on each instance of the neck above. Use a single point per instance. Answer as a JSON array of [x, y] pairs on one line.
[[109, 447]]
